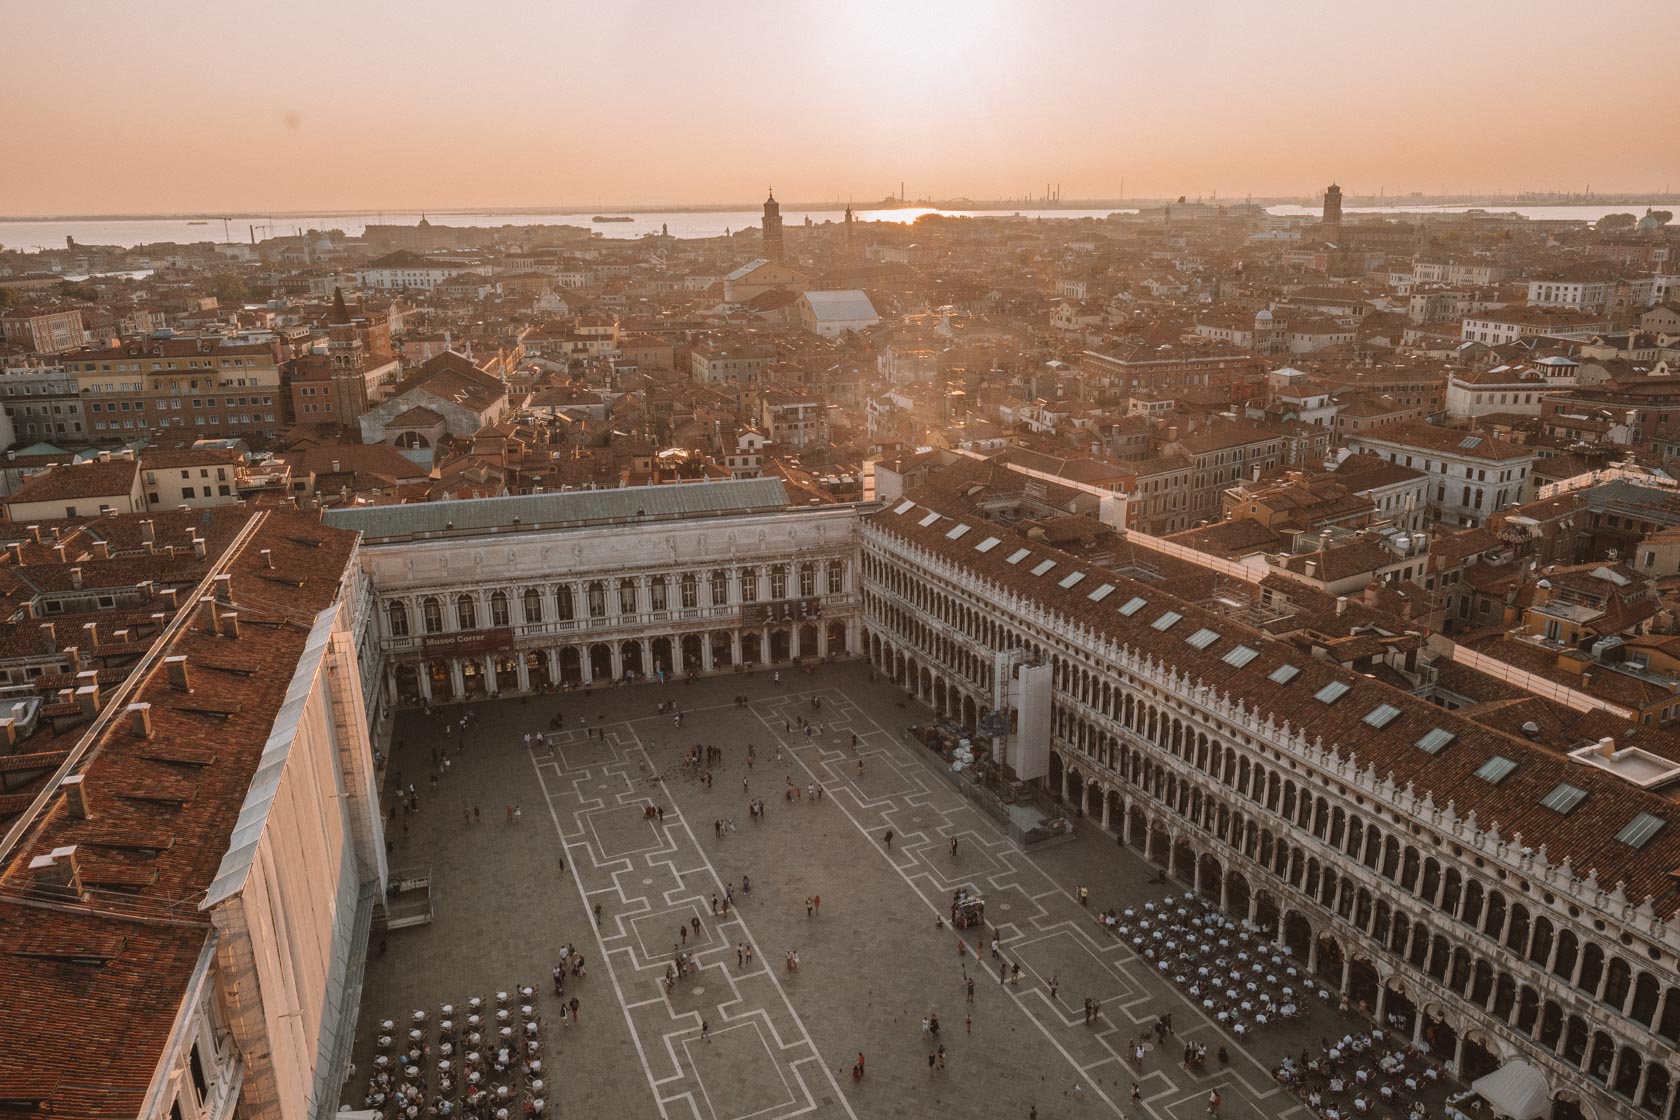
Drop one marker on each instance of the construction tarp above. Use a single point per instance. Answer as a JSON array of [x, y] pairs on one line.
[[1517, 1090]]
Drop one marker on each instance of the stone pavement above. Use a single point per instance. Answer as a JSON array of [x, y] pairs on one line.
[[874, 961]]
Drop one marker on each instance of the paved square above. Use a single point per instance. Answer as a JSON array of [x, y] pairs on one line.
[[874, 959]]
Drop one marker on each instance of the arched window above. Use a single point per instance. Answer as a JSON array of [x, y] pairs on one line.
[[626, 596], [690, 591], [597, 600], [498, 608], [466, 613], [533, 605], [720, 588], [656, 595], [749, 585], [778, 581], [432, 611], [565, 603], [807, 580], [398, 614]]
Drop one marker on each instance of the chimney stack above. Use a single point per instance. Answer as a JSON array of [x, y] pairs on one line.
[[230, 624], [140, 717], [224, 588], [176, 667], [58, 552], [75, 573], [101, 550], [91, 629], [268, 557], [16, 549], [55, 872], [35, 533], [198, 547], [75, 796], [8, 729], [88, 697], [207, 612], [148, 532], [49, 638]]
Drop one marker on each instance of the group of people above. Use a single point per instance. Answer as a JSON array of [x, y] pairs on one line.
[[1361, 1073], [483, 1062]]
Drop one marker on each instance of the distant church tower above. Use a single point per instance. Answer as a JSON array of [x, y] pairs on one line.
[[849, 249], [1332, 221], [772, 229]]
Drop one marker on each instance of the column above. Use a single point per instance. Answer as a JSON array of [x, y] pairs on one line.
[[1347, 971], [1382, 1003], [1639, 1090], [455, 678], [1106, 804], [492, 684], [585, 668], [735, 645], [676, 668], [822, 637], [425, 682], [522, 670], [553, 655], [617, 653], [793, 641], [706, 652], [1458, 1056]]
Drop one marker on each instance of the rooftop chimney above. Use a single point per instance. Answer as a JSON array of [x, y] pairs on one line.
[[35, 533], [101, 550], [140, 718], [58, 552], [268, 557], [91, 629], [8, 729], [56, 871], [1341, 605], [16, 549], [148, 531], [224, 588], [207, 612], [88, 697], [75, 796], [1606, 747], [198, 547], [176, 667], [230, 624], [49, 637], [75, 573]]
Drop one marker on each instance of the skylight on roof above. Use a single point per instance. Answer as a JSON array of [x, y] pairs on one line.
[[1019, 555], [1071, 578], [1203, 638], [987, 545], [1563, 798], [1043, 566], [1436, 741], [928, 520], [1283, 674], [904, 508], [956, 532], [1133, 605], [1640, 829], [1167, 621], [1240, 656], [1332, 692], [1101, 593], [1470, 443], [1382, 715], [1496, 770]]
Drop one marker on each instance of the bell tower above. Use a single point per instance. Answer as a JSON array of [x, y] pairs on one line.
[[1332, 220], [772, 229]]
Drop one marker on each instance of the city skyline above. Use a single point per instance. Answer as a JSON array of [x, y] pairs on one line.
[[430, 107]]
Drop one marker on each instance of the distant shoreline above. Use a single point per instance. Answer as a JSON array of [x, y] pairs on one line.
[[997, 206]]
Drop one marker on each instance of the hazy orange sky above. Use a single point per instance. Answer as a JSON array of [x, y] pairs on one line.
[[157, 106]]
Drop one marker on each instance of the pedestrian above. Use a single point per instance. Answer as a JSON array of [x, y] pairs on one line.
[[888, 839], [1137, 1094], [517, 814], [968, 1020], [969, 985], [740, 955], [1213, 1103], [1053, 985], [705, 1031], [953, 846], [930, 1061], [941, 1055], [1224, 1058], [1168, 1021], [683, 930], [807, 906], [816, 901], [574, 1006], [509, 810], [696, 927], [714, 902], [477, 816], [995, 953], [1015, 975], [749, 952], [597, 914]]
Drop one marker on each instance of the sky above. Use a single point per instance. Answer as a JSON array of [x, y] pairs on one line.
[[174, 107]]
